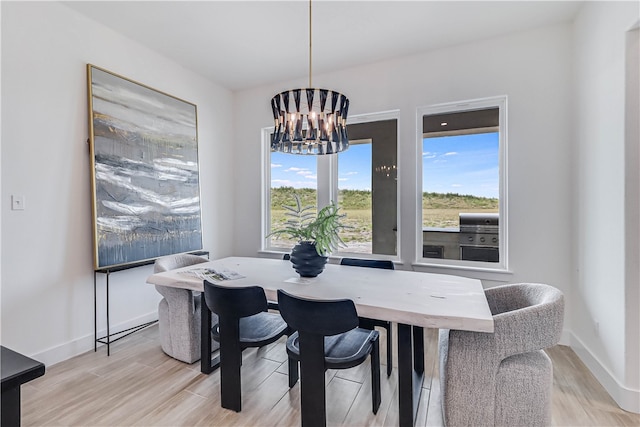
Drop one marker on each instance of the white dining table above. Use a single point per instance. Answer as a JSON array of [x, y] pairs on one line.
[[413, 300]]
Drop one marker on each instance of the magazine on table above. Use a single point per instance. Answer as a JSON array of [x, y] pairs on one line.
[[213, 275]]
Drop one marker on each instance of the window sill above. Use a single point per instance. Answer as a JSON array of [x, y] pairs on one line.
[[482, 273], [333, 259], [268, 253]]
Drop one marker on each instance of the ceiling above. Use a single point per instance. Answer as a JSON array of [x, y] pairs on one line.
[[243, 44]]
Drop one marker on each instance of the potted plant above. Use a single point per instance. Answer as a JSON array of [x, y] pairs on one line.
[[317, 235]]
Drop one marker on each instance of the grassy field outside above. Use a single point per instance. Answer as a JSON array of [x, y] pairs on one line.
[[439, 210]]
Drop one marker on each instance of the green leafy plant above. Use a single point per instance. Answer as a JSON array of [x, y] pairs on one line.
[[305, 226]]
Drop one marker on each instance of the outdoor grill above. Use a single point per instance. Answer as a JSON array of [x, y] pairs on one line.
[[479, 237]]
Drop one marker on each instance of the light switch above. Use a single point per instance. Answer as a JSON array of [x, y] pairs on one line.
[[17, 203]]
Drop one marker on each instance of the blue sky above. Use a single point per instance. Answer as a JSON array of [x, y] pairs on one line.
[[465, 164], [354, 169], [293, 170]]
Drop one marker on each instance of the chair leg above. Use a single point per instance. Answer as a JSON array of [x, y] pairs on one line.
[[366, 323], [293, 372], [389, 348], [375, 376], [230, 364]]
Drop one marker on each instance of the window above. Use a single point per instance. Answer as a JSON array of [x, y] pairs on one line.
[[462, 197], [367, 187], [354, 195], [362, 180], [289, 174]]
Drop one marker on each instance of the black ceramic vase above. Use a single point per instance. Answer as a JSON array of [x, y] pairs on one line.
[[306, 261]]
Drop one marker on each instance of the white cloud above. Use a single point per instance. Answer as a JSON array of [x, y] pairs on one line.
[[276, 165], [456, 185], [343, 179], [295, 169], [350, 173], [450, 153], [428, 155]]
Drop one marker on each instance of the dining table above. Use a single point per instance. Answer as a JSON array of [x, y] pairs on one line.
[[413, 300]]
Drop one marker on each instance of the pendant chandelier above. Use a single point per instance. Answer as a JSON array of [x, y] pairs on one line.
[[309, 120]]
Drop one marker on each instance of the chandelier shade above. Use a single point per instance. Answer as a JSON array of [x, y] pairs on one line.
[[310, 121]]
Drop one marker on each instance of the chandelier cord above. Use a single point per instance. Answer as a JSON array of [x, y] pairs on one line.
[[310, 44]]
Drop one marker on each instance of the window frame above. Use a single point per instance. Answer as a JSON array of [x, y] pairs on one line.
[[460, 106], [366, 118], [327, 172]]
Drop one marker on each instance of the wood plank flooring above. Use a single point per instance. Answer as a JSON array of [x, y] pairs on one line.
[[138, 385]]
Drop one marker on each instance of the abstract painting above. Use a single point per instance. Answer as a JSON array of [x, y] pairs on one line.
[[146, 187]]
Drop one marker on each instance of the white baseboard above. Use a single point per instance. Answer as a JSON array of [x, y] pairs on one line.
[[626, 398], [83, 344]]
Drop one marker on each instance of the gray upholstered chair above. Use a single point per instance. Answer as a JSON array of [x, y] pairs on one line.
[[504, 378], [179, 312]]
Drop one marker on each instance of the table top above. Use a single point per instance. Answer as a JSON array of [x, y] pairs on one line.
[[18, 369], [414, 298]]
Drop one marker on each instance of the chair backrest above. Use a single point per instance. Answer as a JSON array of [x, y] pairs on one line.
[[321, 317], [371, 263], [517, 296], [172, 262], [234, 302], [531, 310]]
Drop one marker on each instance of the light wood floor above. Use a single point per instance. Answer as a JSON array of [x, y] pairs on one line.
[[139, 385]]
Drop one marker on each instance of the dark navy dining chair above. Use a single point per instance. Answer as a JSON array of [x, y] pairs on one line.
[[367, 323], [327, 337], [243, 322]]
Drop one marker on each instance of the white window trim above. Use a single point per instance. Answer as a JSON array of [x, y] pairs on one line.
[[460, 266], [265, 193]]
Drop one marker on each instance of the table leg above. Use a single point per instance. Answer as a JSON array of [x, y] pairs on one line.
[[410, 372], [10, 415], [207, 365]]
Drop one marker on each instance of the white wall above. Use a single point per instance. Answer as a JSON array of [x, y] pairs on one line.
[[632, 209], [2, 201], [47, 275], [605, 328], [532, 68]]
